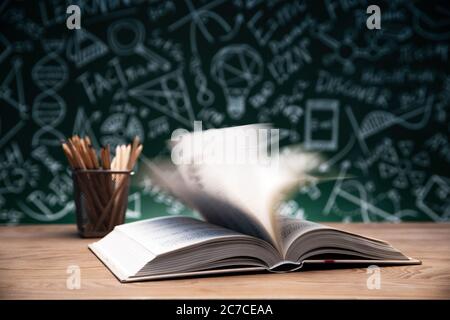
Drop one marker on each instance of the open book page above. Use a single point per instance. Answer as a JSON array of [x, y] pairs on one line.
[[291, 229], [168, 234], [304, 239], [241, 196], [183, 182], [173, 245]]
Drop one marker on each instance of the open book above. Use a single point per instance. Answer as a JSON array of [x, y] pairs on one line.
[[240, 230]]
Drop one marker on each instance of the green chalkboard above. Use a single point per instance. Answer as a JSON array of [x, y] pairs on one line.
[[374, 102]]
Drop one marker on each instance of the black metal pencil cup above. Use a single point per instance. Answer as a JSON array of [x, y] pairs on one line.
[[101, 198]]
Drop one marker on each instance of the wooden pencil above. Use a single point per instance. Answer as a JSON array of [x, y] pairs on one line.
[[105, 194]]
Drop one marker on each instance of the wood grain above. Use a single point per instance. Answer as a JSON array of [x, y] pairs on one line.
[[34, 261]]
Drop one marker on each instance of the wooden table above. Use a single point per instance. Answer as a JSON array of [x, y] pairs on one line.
[[34, 262]]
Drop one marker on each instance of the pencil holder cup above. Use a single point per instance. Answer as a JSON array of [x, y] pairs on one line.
[[101, 198]]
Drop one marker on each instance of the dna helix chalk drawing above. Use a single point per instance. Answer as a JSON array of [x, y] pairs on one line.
[[49, 108], [377, 121]]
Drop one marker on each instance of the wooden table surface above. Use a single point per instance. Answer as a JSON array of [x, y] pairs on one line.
[[34, 262]]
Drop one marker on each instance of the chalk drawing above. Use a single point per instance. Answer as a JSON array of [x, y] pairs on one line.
[[346, 51], [291, 208], [312, 190], [158, 127], [168, 95], [82, 125], [205, 96], [135, 43], [198, 17], [260, 99], [355, 193], [434, 198], [212, 117], [399, 163], [237, 68], [434, 27], [50, 72], [377, 121], [439, 144], [146, 67], [49, 109], [330, 162], [13, 97], [83, 47], [11, 88], [5, 47], [120, 128], [36, 208], [41, 154], [322, 124], [16, 172], [135, 200]]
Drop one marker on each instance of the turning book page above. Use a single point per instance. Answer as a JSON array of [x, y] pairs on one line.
[[215, 207], [241, 196]]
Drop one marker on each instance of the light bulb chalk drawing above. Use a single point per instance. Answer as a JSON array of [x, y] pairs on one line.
[[134, 44], [236, 68]]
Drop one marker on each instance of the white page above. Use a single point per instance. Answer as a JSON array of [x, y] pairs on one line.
[[166, 234], [291, 229], [247, 191]]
